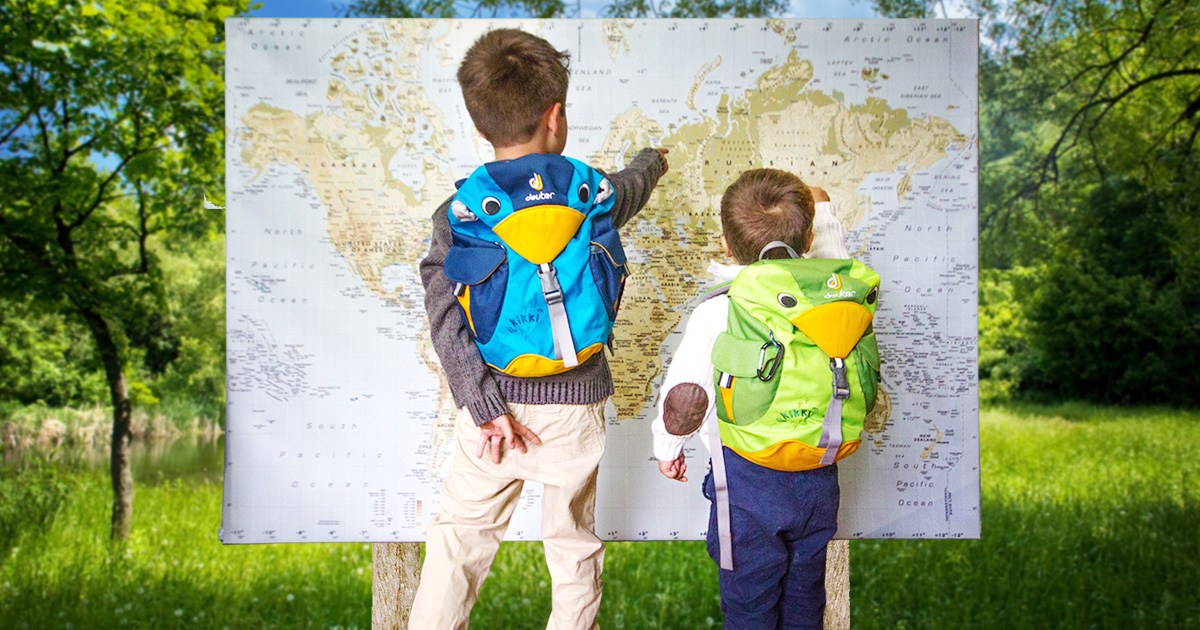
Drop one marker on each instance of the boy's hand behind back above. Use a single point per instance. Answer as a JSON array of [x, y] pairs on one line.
[[507, 429], [674, 469]]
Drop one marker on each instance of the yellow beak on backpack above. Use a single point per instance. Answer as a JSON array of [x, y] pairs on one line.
[[835, 327], [539, 234]]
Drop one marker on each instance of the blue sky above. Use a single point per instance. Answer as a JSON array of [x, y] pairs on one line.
[[590, 8]]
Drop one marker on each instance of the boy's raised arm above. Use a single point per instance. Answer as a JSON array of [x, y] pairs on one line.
[[471, 383], [829, 235], [633, 184]]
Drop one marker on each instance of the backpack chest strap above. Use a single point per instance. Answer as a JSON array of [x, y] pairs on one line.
[[560, 328], [831, 426]]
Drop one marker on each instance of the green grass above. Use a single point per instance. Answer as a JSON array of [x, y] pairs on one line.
[[173, 573], [1091, 520]]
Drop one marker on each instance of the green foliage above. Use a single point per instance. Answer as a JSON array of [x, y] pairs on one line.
[[195, 311], [1113, 318], [45, 357], [1003, 333], [134, 85], [30, 497]]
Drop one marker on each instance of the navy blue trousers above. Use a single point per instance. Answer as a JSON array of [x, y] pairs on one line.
[[781, 523]]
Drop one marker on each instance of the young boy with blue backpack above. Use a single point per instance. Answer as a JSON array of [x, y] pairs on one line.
[[776, 370], [522, 284]]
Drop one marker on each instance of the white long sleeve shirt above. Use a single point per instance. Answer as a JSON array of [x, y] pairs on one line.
[[692, 362]]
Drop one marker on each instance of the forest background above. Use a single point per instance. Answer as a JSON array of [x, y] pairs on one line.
[[112, 271]]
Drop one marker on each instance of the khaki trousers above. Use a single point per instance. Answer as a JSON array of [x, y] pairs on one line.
[[478, 500]]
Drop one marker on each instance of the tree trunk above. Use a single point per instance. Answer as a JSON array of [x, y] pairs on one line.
[[397, 570], [119, 469]]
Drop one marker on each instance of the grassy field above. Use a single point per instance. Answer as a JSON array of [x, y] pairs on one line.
[[1091, 519]]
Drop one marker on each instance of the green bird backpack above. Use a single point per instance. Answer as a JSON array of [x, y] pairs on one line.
[[797, 369]]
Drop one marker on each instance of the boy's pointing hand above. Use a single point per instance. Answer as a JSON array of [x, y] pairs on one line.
[[818, 194], [504, 428]]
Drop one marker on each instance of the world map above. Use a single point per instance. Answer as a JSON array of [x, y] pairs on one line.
[[343, 137]]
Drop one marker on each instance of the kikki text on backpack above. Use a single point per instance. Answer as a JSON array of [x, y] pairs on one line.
[[537, 265]]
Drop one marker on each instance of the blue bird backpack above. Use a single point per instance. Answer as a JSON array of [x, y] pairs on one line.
[[537, 265]]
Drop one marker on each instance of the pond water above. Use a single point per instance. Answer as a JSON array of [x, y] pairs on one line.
[[192, 459]]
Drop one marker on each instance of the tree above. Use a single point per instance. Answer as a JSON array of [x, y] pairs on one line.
[[110, 131], [1074, 92]]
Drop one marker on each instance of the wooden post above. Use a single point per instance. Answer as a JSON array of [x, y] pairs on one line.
[[395, 574], [837, 585], [397, 571]]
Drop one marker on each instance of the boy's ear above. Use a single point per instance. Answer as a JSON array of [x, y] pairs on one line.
[[811, 237], [550, 118], [725, 247]]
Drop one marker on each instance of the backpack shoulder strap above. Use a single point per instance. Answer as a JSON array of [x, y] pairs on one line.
[[720, 289], [720, 482]]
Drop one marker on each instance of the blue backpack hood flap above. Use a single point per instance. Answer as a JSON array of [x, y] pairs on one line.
[[471, 260]]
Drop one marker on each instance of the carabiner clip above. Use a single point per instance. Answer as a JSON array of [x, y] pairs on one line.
[[773, 363]]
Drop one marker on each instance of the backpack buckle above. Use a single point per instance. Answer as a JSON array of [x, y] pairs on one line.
[[551, 289], [841, 382], [773, 363]]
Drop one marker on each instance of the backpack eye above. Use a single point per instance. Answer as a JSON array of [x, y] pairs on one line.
[[461, 212], [787, 300], [873, 295], [491, 205], [585, 193], [606, 191]]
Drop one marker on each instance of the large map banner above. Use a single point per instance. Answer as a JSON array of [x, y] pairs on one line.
[[343, 136]]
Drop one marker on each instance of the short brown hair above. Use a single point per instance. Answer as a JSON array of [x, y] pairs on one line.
[[766, 205], [509, 78]]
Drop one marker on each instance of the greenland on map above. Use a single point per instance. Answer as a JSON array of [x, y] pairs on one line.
[[343, 137]]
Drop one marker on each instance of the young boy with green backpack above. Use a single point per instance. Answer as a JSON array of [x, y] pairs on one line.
[[777, 369]]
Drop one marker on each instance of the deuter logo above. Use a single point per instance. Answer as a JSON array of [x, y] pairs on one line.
[[834, 282], [541, 196], [535, 182]]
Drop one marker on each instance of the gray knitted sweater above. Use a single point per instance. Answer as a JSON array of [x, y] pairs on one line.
[[486, 392]]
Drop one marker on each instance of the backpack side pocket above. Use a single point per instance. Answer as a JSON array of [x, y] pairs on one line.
[[742, 397], [479, 270], [607, 261], [866, 356]]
